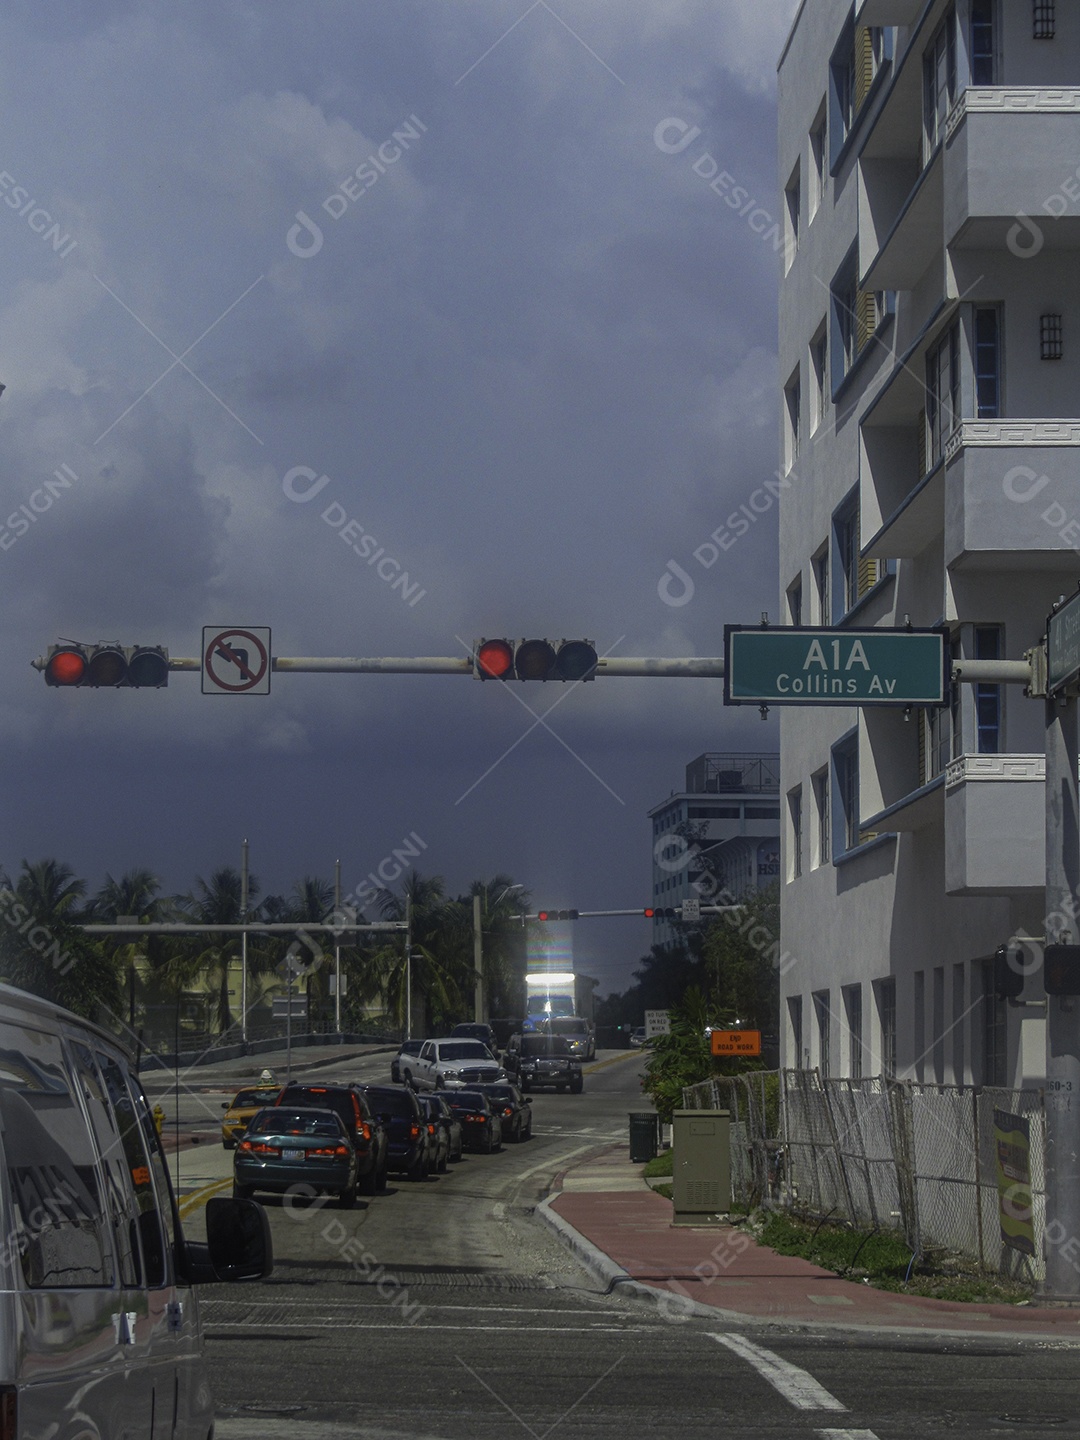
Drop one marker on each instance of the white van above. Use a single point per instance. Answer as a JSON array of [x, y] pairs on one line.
[[99, 1325]]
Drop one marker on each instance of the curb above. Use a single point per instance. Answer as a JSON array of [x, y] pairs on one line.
[[676, 1307]]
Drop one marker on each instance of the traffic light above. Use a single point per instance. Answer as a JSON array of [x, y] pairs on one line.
[[137, 667], [671, 913], [534, 660], [1061, 969], [1009, 972], [557, 914]]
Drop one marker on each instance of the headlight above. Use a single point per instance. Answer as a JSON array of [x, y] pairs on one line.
[[500, 1074], [451, 1074]]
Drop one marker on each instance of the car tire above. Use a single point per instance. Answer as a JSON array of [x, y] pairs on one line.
[[406, 1077], [577, 1086], [382, 1180], [367, 1184], [416, 1172], [242, 1192], [440, 1083], [444, 1164], [229, 1144], [347, 1198], [487, 1145]]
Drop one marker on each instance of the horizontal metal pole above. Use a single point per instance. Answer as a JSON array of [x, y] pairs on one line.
[[448, 665], [186, 928], [993, 672]]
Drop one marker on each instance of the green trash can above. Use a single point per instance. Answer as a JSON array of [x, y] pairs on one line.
[[644, 1136]]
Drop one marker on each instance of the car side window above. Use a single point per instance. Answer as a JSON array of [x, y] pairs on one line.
[[137, 1160], [427, 1051], [118, 1198], [58, 1225]]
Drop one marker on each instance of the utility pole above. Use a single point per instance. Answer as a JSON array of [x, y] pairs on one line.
[[337, 948], [478, 961], [1062, 1011], [408, 967], [243, 945]]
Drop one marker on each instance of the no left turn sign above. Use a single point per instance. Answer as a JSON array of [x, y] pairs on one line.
[[235, 661]]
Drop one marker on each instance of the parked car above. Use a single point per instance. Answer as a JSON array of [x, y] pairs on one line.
[[409, 1051], [514, 1109], [438, 1155], [368, 1134], [543, 1060], [444, 1064], [435, 1103], [240, 1109], [481, 1127], [472, 1030], [290, 1145], [99, 1319], [578, 1033], [406, 1128]]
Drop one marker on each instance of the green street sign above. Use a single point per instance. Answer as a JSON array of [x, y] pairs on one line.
[[1063, 646], [797, 666]]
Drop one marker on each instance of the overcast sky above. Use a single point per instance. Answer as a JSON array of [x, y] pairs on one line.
[[529, 347]]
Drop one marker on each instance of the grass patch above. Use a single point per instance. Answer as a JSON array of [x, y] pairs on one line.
[[881, 1259], [667, 1191], [664, 1164]]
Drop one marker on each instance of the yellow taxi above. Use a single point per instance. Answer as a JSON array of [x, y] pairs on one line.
[[241, 1108]]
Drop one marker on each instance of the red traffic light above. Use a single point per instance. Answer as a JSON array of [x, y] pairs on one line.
[[648, 913], [557, 914], [494, 659], [66, 665]]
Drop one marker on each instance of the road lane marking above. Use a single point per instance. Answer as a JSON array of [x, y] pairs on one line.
[[419, 1325], [797, 1386], [846, 1434], [192, 1202]]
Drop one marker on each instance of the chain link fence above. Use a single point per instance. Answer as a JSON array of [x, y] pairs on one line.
[[881, 1154]]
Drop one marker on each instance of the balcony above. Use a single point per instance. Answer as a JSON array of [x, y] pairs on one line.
[[995, 824], [1010, 494], [1009, 151], [889, 12]]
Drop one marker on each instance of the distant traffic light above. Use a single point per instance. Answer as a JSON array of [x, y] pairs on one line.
[[557, 914], [1061, 969], [534, 660], [1008, 972], [671, 913], [138, 667]]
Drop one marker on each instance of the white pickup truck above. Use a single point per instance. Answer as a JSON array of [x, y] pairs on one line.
[[444, 1064]]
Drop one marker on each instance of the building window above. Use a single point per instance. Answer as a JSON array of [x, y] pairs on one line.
[[886, 1003], [792, 206], [842, 76], [1043, 19], [846, 530], [939, 83], [795, 820], [1051, 345], [819, 372], [994, 1030], [820, 566], [819, 170], [983, 44], [845, 329], [796, 1057], [792, 409], [988, 697], [820, 783], [846, 772], [794, 602], [853, 1017], [822, 1015], [942, 392], [987, 337]]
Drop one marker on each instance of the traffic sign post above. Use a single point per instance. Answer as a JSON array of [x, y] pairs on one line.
[[235, 661], [797, 666]]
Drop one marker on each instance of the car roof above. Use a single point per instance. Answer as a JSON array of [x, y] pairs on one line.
[[14, 1000]]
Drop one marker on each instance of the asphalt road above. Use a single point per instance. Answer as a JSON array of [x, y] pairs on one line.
[[445, 1309]]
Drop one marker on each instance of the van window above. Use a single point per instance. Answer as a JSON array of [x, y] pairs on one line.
[[58, 1223], [119, 1204], [137, 1161], [166, 1200]]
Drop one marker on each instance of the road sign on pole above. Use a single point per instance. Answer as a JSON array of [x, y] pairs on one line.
[[791, 665], [235, 661], [1063, 646]]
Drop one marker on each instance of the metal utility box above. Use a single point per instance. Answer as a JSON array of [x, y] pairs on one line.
[[701, 1140]]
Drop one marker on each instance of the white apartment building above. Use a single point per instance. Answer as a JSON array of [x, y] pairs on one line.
[[930, 427]]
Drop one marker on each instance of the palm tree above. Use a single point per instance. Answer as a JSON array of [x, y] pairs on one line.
[[49, 889], [423, 900], [214, 902], [135, 893], [503, 902]]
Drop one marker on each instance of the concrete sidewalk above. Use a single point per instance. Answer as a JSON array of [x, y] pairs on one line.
[[622, 1231]]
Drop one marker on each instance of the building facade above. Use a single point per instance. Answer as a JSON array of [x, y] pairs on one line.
[[930, 358], [724, 824]]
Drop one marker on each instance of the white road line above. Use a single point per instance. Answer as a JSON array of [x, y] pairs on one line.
[[846, 1434], [795, 1385], [502, 1329]]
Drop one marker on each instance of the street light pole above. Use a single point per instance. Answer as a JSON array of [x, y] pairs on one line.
[[408, 967], [478, 961], [243, 945], [337, 948]]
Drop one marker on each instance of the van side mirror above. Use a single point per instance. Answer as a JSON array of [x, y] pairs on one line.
[[238, 1239]]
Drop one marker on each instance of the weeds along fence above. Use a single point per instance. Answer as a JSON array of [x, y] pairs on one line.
[[886, 1154]]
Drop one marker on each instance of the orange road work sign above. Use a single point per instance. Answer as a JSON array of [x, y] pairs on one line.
[[736, 1042]]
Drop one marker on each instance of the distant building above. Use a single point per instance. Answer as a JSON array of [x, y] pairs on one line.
[[725, 822]]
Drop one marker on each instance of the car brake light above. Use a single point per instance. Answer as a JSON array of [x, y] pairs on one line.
[[414, 1131], [330, 1150], [364, 1130], [257, 1148], [508, 1110]]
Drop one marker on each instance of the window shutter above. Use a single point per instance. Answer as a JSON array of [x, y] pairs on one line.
[[870, 572], [864, 63], [924, 773], [921, 440], [865, 318]]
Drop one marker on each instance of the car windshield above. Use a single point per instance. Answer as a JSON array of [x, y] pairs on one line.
[[500, 1092], [468, 1100], [544, 1045], [296, 1122], [569, 1027], [392, 1102], [464, 1050], [254, 1097], [411, 1047]]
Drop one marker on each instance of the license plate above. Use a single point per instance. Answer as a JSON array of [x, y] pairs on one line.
[[293, 1154]]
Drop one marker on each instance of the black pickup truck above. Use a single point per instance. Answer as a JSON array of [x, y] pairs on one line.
[[535, 1061]]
